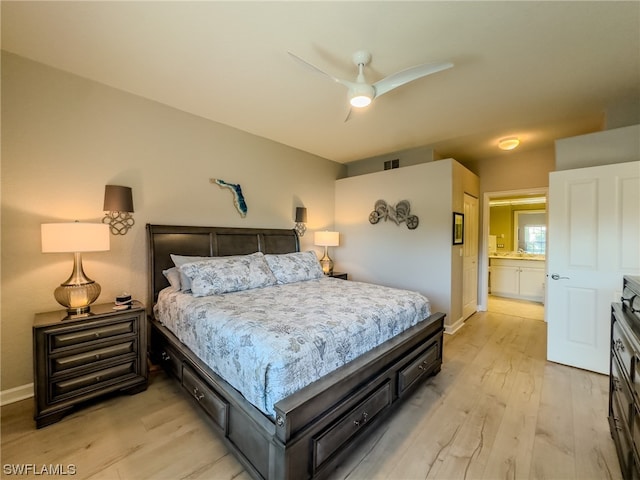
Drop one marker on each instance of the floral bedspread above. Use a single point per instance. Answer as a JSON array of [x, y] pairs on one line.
[[269, 342]]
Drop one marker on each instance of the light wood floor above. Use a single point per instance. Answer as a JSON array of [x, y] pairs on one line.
[[497, 410]]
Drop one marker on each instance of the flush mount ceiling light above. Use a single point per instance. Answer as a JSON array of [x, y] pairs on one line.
[[508, 143]]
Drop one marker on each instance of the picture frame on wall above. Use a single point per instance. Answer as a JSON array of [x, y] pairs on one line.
[[458, 228]]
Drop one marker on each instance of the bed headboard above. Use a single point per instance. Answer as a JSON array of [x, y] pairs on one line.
[[163, 240]]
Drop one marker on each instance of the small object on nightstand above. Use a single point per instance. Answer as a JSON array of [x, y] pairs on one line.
[[340, 275], [78, 359], [123, 302]]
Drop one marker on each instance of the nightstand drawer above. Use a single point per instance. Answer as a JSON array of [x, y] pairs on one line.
[[93, 379], [623, 349], [62, 364], [78, 337]]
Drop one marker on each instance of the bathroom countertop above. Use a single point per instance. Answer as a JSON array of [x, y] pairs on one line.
[[519, 256]]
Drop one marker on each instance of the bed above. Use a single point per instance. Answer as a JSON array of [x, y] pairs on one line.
[[305, 431]]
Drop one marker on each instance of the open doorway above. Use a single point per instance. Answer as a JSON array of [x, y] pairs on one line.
[[512, 267]]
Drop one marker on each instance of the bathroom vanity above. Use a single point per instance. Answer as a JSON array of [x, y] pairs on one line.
[[519, 276]]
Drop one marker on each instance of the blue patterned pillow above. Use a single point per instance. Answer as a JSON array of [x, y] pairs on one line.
[[294, 267], [218, 275], [178, 261]]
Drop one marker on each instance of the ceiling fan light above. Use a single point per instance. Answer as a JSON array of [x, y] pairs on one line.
[[360, 95], [360, 101], [508, 143]]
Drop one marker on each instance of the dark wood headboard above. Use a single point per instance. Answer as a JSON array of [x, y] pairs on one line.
[[163, 240]]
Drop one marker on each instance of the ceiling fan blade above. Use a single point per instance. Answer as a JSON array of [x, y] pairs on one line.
[[410, 74], [306, 64], [348, 115]]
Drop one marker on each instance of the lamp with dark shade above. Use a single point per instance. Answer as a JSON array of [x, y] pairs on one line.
[[118, 207], [301, 220], [78, 292]]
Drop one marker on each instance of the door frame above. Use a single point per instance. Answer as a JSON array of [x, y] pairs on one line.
[[483, 261]]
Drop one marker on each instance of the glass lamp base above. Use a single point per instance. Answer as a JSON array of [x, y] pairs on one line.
[[327, 265], [77, 298]]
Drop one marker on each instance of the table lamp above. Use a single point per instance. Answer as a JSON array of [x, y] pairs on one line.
[[78, 292], [326, 239]]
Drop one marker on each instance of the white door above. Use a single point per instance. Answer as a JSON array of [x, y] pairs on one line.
[[470, 257], [593, 240]]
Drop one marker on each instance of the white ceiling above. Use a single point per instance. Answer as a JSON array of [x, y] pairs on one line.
[[539, 70]]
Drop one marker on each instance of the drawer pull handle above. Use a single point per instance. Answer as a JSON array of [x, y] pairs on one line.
[[197, 394], [97, 334], [165, 356], [616, 420], [98, 378], [423, 365], [362, 420], [97, 356]]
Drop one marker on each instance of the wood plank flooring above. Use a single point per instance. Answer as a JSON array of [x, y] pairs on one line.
[[497, 410]]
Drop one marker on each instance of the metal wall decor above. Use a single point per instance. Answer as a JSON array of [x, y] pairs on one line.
[[398, 214], [238, 198]]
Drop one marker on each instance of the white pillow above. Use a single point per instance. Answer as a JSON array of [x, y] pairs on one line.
[[173, 275], [218, 275], [294, 267]]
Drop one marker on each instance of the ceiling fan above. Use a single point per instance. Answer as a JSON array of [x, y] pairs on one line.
[[360, 93]]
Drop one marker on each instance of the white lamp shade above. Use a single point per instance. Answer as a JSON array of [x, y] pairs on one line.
[[74, 237], [326, 239]]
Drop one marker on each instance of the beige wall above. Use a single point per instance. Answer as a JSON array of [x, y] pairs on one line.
[[618, 145], [64, 138], [423, 259], [514, 170]]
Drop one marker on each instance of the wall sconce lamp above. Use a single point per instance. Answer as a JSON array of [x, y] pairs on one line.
[[301, 220], [118, 207], [78, 292], [326, 239]]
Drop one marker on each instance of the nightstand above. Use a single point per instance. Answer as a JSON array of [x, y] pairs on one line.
[[78, 358], [340, 275]]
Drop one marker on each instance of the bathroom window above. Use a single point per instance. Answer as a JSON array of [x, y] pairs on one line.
[[535, 238], [530, 231]]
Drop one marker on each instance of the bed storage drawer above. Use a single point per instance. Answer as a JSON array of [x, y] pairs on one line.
[[211, 403], [332, 439], [423, 364], [170, 360]]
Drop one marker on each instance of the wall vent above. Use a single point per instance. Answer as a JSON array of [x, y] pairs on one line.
[[389, 164]]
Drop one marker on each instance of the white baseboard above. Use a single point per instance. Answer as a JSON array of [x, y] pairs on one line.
[[16, 394], [453, 328]]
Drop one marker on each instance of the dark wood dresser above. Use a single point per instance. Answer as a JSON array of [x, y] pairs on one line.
[[624, 381], [83, 357]]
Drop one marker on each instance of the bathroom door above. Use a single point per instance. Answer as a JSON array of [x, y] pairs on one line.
[[470, 257], [593, 238]]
